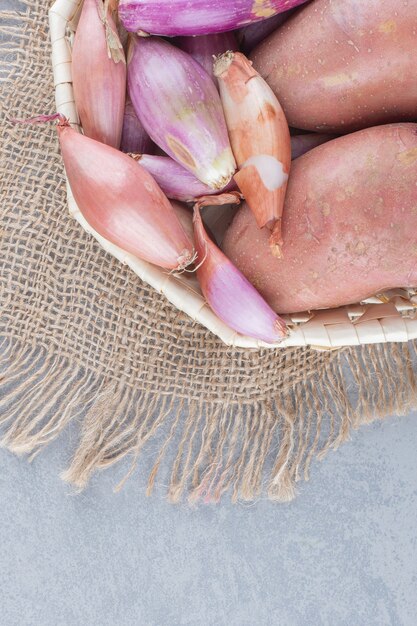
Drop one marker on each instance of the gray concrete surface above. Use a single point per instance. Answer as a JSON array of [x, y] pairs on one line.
[[343, 554]]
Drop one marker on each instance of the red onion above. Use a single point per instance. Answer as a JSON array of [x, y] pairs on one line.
[[99, 74], [196, 17], [230, 294], [179, 107]]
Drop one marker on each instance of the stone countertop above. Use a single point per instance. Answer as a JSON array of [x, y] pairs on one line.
[[344, 553]]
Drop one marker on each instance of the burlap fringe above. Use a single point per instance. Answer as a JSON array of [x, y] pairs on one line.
[[215, 448]]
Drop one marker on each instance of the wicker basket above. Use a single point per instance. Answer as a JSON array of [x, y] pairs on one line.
[[389, 317]]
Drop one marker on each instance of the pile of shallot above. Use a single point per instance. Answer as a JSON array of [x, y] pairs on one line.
[[173, 113], [169, 122]]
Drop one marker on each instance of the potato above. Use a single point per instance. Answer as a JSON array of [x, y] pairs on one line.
[[349, 224], [342, 65]]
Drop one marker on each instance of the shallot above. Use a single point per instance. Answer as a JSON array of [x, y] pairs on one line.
[[134, 136], [175, 181], [251, 35], [230, 294], [179, 107], [120, 199], [300, 144], [260, 140], [196, 17], [204, 48], [99, 74]]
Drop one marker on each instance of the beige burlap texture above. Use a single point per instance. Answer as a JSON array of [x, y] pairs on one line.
[[82, 338]]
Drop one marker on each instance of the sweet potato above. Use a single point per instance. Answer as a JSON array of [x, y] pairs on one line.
[[342, 65], [349, 224]]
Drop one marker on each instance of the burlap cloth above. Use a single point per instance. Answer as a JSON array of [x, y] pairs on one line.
[[81, 338]]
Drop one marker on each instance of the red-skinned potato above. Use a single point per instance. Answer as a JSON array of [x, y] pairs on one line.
[[342, 65], [349, 224]]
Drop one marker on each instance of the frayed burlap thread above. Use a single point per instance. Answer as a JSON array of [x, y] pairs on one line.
[[83, 341], [213, 446]]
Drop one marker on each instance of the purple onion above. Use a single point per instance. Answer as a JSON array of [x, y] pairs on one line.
[[175, 181], [251, 35], [203, 48], [300, 144], [179, 107], [134, 136], [197, 17]]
